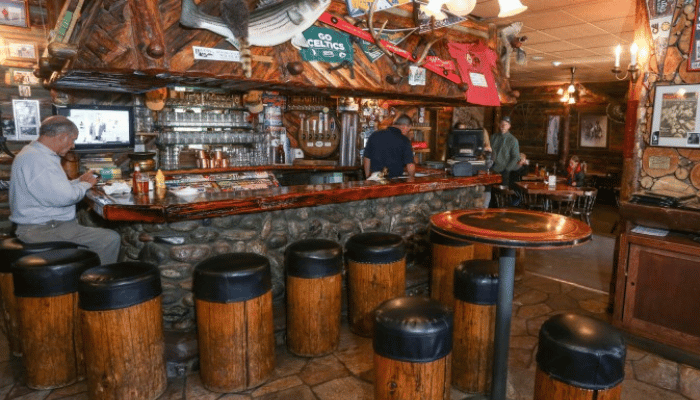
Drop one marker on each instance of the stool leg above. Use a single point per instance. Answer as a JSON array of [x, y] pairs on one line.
[[504, 308]]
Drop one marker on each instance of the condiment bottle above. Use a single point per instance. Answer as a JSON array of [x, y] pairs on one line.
[[135, 177], [160, 188]]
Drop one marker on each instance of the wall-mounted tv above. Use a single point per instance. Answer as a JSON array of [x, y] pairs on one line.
[[101, 127]]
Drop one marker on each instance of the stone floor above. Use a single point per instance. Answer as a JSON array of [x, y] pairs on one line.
[[347, 373]]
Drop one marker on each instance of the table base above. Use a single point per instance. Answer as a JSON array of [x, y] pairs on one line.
[[504, 309]]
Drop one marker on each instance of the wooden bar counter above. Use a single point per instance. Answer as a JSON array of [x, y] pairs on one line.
[[177, 233]]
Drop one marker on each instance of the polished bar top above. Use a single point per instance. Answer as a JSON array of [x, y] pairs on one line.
[[216, 204]]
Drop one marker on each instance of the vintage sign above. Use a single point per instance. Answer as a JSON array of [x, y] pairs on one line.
[[326, 45], [660, 18], [694, 51], [416, 76], [208, 53]]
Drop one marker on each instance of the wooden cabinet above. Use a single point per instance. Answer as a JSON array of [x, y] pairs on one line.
[[657, 294]]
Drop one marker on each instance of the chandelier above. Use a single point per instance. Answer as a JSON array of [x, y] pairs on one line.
[[569, 92]]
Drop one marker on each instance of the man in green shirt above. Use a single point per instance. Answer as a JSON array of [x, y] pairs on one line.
[[506, 151]]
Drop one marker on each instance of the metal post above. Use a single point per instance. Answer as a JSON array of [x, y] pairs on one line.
[[504, 309]]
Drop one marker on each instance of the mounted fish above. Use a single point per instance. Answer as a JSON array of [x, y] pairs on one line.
[[269, 25], [236, 15]]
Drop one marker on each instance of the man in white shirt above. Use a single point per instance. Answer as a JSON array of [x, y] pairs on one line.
[[42, 199]]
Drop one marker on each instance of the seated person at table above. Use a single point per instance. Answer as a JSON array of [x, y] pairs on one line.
[[575, 173], [42, 199]]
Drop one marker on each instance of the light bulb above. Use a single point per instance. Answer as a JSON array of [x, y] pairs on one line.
[[633, 54], [618, 51], [572, 100], [560, 91], [571, 88], [510, 8], [461, 7]]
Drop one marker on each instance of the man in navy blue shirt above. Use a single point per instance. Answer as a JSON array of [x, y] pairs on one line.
[[392, 149]]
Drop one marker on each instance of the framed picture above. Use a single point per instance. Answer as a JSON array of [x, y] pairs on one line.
[[593, 130], [675, 121], [552, 144], [20, 51], [23, 77], [27, 119], [14, 13]]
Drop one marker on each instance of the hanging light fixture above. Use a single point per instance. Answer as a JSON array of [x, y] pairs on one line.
[[461, 7], [510, 8], [569, 93]]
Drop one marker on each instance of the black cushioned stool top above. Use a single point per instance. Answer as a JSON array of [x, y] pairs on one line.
[[232, 277], [476, 282], [443, 240], [118, 285], [375, 248], [581, 351], [52, 272], [414, 329], [314, 258], [13, 249]]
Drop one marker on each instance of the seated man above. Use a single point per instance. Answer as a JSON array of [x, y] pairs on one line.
[[42, 199]]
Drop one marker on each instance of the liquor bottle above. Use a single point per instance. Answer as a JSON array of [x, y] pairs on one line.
[[279, 155], [135, 177], [537, 169]]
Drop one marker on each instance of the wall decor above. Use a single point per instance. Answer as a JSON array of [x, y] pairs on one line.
[[14, 13], [23, 77], [593, 130], [694, 51], [20, 50], [675, 122], [552, 144], [27, 119]]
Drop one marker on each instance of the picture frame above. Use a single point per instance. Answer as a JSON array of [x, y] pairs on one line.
[[27, 119], [18, 50], [553, 128], [14, 13], [593, 130], [21, 76], [676, 120]]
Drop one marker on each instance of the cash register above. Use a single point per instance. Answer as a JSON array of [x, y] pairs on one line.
[[465, 148]]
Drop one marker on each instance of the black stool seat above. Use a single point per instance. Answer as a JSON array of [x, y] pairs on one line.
[[413, 329], [581, 351], [375, 248], [13, 249], [476, 282], [118, 285], [314, 258], [51, 273], [232, 277]]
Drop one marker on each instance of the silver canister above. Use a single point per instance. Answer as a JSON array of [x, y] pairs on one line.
[[349, 125]]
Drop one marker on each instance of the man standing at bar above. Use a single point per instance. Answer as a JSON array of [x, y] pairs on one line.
[[42, 199], [391, 148], [506, 151]]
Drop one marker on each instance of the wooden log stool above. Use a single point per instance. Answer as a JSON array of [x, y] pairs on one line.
[[11, 250], [376, 273], [447, 254], [314, 286], [412, 349], [579, 358], [122, 324], [233, 303], [476, 293], [46, 291]]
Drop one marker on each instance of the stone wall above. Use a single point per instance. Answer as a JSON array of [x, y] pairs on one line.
[[177, 247]]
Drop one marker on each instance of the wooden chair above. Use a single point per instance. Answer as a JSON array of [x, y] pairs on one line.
[[504, 195], [584, 204], [533, 201], [561, 203]]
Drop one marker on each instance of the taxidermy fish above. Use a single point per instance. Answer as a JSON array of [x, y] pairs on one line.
[[236, 15], [267, 26]]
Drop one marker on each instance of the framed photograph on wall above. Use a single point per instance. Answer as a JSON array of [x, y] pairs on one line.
[[23, 77], [27, 119], [14, 13], [593, 130], [553, 124], [17, 50], [676, 122]]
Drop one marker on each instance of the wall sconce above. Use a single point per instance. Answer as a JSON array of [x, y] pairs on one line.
[[633, 69], [569, 93], [510, 8]]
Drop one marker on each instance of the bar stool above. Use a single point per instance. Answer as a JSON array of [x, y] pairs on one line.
[[314, 286], [122, 324], [579, 358], [11, 250], [412, 349], [376, 273], [447, 254], [46, 290], [233, 303], [476, 294]]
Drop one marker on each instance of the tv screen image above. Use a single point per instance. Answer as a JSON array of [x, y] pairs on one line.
[[101, 127], [467, 143]]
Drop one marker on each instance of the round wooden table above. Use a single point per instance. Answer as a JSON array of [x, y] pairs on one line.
[[509, 229]]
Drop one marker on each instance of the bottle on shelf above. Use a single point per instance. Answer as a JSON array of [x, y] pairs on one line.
[[279, 154]]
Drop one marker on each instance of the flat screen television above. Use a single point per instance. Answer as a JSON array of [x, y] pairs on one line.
[[465, 143], [101, 128]]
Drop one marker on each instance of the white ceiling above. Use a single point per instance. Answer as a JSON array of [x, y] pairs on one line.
[[579, 33]]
